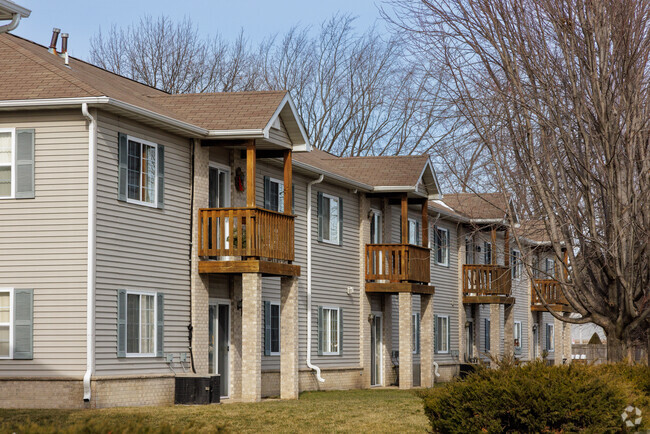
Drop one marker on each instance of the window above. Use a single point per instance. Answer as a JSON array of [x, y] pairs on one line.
[[141, 324], [487, 253], [413, 232], [415, 333], [442, 334], [329, 218], [516, 264], [487, 335], [271, 328], [441, 237], [550, 337], [142, 160], [275, 201], [6, 330], [469, 250], [517, 335], [219, 189], [7, 163], [549, 268], [330, 330]]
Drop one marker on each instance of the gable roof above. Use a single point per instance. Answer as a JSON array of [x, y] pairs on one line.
[[534, 231], [479, 206], [31, 74]]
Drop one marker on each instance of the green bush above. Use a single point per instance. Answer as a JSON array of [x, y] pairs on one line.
[[538, 398]]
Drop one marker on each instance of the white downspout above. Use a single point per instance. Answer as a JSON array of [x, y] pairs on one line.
[[309, 365], [92, 232], [15, 20]]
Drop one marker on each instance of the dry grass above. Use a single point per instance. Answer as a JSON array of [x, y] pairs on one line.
[[339, 411]]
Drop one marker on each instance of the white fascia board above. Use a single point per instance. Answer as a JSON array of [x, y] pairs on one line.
[[358, 185], [237, 134], [52, 102], [14, 8]]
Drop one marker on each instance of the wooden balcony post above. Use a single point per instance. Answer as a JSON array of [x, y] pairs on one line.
[[405, 218], [250, 173], [288, 182], [565, 259], [494, 246], [425, 224]]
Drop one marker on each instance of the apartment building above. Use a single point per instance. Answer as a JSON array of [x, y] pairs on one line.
[[148, 236]]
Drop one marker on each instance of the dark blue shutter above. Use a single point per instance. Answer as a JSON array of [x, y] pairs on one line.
[[25, 164], [161, 176], [449, 334], [267, 193], [435, 334], [23, 324], [319, 209], [267, 328], [121, 323], [122, 167], [321, 335], [340, 221], [160, 324], [487, 334]]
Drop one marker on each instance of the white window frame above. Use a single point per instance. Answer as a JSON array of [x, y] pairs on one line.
[[155, 324], [280, 183], [327, 332], [412, 231], [550, 329], [447, 247], [446, 338], [516, 264], [155, 193], [221, 168], [12, 164], [10, 324], [519, 345], [275, 353], [415, 332], [329, 228]]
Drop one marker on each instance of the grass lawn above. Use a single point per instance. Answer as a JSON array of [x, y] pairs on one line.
[[388, 410]]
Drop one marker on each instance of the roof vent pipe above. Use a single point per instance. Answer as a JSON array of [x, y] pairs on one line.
[[55, 37], [64, 43]]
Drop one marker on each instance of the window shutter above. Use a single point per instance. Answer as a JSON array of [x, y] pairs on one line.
[[319, 209], [340, 221], [121, 323], [160, 325], [340, 330], [267, 328], [320, 331], [25, 164], [435, 334], [123, 165], [161, 176], [23, 324], [487, 334], [267, 192], [449, 335], [417, 333], [548, 337]]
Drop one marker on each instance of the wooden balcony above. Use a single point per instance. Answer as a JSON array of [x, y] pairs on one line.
[[398, 267], [251, 239], [487, 284], [551, 290]]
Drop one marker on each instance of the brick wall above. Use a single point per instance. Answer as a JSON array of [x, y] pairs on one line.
[[335, 379]]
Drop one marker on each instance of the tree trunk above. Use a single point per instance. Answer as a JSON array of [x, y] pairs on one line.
[[618, 349]]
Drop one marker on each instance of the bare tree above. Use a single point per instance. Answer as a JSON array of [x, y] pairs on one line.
[[557, 92]]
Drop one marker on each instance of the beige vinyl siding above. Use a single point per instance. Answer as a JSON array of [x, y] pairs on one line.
[[280, 135], [141, 248], [521, 292], [44, 243]]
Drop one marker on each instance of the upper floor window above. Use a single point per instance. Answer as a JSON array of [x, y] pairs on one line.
[[441, 238], [330, 218], [376, 227], [413, 232], [549, 268], [219, 188], [16, 163], [469, 250], [487, 253], [142, 164], [516, 264]]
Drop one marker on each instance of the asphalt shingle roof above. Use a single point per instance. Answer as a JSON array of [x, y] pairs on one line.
[[478, 205]]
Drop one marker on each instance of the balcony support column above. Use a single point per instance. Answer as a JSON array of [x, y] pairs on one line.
[[405, 340], [251, 164], [426, 340], [495, 330], [251, 361], [509, 330], [289, 338]]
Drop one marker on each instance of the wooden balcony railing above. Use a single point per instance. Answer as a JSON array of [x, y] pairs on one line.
[[246, 233], [486, 280], [398, 263], [551, 291]]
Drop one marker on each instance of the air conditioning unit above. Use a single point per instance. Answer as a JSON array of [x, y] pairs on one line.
[[193, 389]]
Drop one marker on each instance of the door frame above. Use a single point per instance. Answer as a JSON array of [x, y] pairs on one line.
[[226, 169], [381, 347], [216, 302]]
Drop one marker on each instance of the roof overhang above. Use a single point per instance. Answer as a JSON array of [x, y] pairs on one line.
[[429, 178], [333, 176], [8, 9]]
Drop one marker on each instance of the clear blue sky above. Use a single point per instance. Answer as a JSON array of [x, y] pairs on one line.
[[258, 18]]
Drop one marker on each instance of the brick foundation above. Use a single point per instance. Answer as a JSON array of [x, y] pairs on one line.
[[335, 379], [42, 393], [133, 391]]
